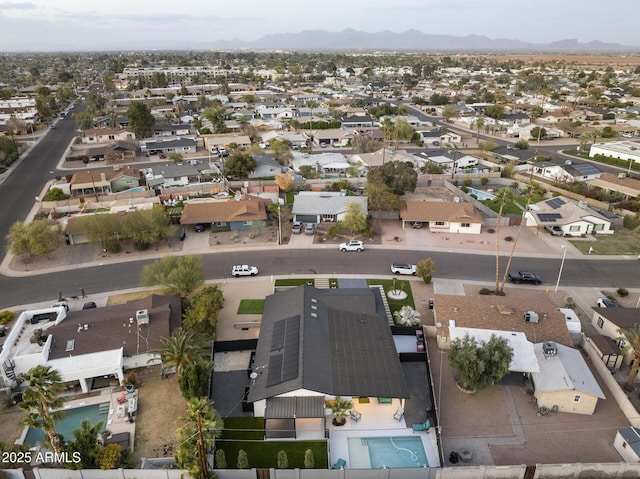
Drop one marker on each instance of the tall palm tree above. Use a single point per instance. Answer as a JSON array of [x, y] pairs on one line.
[[42, 402], [479, 126], [631, 338], [311, 105], [181, 350], [532, 189], [503, 195]]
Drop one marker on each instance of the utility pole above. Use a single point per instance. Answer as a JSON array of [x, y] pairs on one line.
[[201, 449]]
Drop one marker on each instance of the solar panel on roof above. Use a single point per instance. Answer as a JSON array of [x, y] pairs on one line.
[[285, 351], [274, 375], [555, 203], [586, 168], [549, 217], [277, 335]]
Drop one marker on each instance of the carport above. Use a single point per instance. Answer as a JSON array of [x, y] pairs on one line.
[[295, 417]]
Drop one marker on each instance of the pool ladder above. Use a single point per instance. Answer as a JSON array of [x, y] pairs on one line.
[[104, 407]]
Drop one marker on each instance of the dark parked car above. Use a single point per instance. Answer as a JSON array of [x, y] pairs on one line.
[[89, 305], [183, 234], [524, 277], [199, 228]]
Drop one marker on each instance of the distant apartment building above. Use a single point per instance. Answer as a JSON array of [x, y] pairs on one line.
[[179, 75], [22, 108]]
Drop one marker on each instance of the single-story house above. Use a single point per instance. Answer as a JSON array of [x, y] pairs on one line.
[[442, 216], [608, 321], [316, 345], [116, 150], [567, 173], [170, 130], [266, 167], [91, 343], [297, 140], [624, 150], [627, 443], [174, 174], [104, 180], [226, 214], [337, 137], [564, 382], [179, 145], [364, 121], [573, 217], [382, 156], [243, 141], [323, 163], [107, 135], [316, 206], [621, 183]]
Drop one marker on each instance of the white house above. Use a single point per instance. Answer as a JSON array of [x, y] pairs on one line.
[[567, 173], [624, 150], [106, 135], [575, 218], [323, 163], [627, 443]]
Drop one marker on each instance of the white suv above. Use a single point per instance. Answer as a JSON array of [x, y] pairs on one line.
[[353, 245], [403, 268], [244, 270]]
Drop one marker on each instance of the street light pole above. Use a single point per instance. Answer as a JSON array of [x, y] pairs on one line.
[[279, 226], [564, 254]]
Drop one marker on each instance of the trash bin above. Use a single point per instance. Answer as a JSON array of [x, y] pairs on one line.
[[431, 303]]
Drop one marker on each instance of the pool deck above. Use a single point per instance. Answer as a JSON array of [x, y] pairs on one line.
[[115, 424]]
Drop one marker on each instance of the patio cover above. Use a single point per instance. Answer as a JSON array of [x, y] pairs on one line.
[[294, 407]]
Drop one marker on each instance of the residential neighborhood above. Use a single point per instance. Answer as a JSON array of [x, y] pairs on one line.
[[201, 171]]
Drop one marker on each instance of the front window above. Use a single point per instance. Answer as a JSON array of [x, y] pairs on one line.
[[600, 323], [247, 223], [576, 398], [439, 223], [574, 228], [466, 225], [598, 227]]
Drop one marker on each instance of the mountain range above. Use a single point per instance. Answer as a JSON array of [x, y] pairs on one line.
[[410, 40]]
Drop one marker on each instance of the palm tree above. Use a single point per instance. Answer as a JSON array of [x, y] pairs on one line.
[[42, 402], [479, 126], [503, 195], [181, 350], [583, 140], [311, 105], [532, 189], [631, 338], [87, 442]]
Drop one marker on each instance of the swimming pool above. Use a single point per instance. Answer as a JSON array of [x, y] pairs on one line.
[[71, 422], [378, 452], [481, 195]]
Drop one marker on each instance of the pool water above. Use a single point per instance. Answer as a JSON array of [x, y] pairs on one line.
[[481, 195], [72, 420], [390, 452]]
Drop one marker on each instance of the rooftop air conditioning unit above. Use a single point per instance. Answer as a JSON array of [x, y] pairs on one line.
[[549, 349], [142, 316], [531, 317]]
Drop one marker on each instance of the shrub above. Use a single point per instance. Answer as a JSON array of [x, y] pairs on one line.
[[283, 460], [508, 239], [468, 182], [485, 291], [464, 189], [243, 460], [6, 316], [491, 230], [622, 292], [221, 459], [484, 180], [309, 460]]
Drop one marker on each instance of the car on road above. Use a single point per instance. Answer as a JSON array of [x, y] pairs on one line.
[[403, 268], [53, 127], [244, 270], [353, 245], [606, 303], [309, 229], [297, 227], [89, 305], [524, 277]]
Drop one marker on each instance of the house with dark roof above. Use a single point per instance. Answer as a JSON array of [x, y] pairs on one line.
[[316, 345], [241, 213], [442, 216], [568, 173], [91, 343]]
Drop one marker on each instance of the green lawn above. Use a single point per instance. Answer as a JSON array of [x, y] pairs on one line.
[[251, 306], [247, 433], [387, 284], [510, 208], [621, 242]]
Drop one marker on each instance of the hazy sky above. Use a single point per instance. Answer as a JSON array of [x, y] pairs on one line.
[[133, 24]]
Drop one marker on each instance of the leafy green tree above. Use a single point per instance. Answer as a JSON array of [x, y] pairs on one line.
[[83, 119], [480, 365], [201, 315], [538, 133], [181, 350], [631, 338], [176, 157], [108, 456], [35, 238], [449, 113], [95, 103], [146, 227], [281, 151], [495, 111], [8, 150], [308, 171], [55, 194], [43, 402], [399, 176], [215, 114], [354, 218], [425, 269], [194, 380], [104, 230], [140, 118], [537, 111], [502, 196], [240, 165], [521, 145], [381, 198], [177, 274]]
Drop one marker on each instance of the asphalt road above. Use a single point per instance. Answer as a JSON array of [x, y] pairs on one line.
[[113, 277]]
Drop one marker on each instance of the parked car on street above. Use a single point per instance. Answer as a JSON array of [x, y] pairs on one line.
[[353, 245], [244, 270], [403, 268], [309, 229], [606, 303], [524, 277], [297, 227], [89, 305]]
